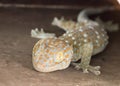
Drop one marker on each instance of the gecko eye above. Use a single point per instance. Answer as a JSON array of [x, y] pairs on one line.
[[59, 57]]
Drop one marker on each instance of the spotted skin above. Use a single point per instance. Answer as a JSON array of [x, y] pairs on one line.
[[87, 38], [83, 39], [83, 35], [51, 54]]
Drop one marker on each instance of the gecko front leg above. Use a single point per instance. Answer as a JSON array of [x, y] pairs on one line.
[[86, 51]]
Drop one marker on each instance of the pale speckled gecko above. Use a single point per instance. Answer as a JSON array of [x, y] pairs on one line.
[[82, 39]]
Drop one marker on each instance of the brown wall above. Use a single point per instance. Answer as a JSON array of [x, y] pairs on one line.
[[66, 2], [61, 2]]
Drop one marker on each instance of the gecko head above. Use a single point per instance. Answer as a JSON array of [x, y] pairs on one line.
[[51, 54], [61, 50]]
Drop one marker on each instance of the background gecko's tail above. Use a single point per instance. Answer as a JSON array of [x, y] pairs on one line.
[[83, 15], [109, 26]]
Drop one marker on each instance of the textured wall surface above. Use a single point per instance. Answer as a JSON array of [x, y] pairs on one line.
[[64, 2]]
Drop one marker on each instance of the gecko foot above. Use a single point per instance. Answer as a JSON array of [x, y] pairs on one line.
[[88, 68]]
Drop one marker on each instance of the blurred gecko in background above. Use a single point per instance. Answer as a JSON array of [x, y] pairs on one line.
[[82, 40]]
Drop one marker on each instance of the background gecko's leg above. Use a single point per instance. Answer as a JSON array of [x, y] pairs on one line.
[[86, 52], [59, 23], [66, 25], [41, 34]]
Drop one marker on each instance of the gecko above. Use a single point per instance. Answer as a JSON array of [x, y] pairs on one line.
[[83, 38]]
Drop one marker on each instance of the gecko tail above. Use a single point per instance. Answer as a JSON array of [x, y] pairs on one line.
[[83, 15], [35, 33], [109, 25]]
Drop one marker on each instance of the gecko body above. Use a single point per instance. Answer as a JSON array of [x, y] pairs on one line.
[[86, 37], [87, 40]]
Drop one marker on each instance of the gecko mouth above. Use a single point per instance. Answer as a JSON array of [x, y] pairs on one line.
[[59, 66]]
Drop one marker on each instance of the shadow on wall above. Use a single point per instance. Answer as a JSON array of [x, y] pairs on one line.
[[64, 2]]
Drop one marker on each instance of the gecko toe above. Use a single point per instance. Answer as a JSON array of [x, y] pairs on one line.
[[86, 69], [95, 70], [94, 67], [76, 65]]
